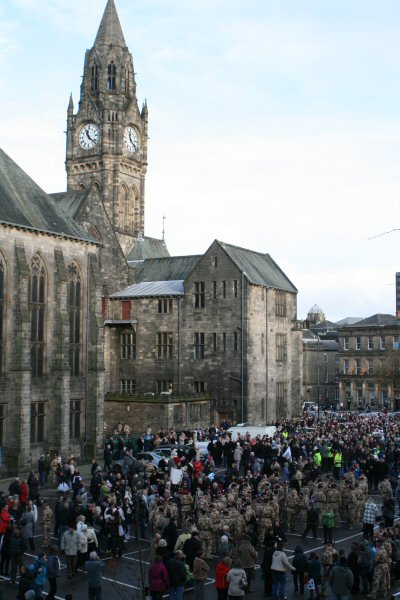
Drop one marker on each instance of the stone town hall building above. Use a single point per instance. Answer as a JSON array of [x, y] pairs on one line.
[[93, 314]]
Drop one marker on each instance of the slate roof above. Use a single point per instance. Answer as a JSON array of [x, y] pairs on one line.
[[378, 320], [24, 204], [324, 325], [110, 30], [70, 202], [259, 268], [147, 247], [349, 321], [172, 268], [331, 345], [151, 288]]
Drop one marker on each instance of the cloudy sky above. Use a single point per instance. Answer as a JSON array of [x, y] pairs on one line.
[[274, 125]]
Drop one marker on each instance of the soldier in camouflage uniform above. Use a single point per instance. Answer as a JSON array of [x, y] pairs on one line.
[[381, 579], [215, 523], [232, 494], [205, 532], [265, 514], [46, 523], [302, 509], [292, 508], [350, 507], [186, 499], [333, 499], [328, 558], [344, 493], [385, 489], [157, 519], [360, 498], [319, 499]]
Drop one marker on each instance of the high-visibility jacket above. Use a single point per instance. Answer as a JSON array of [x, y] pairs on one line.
[[317, 459], [337, 461]]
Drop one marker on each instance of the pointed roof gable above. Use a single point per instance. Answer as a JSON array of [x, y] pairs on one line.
[[24, 204], [259, 268], [110, 30], [147, 247]]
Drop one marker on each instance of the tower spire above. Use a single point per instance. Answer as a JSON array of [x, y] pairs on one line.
[[110, 30]]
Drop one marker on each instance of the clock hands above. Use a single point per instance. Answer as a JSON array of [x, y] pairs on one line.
[[88, 135], [133, 141]]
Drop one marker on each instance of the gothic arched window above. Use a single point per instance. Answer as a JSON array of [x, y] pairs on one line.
[[95, 77], [1, 312], [37, 304], [127, 80], [112, 76], [124, 208], [74, 312]]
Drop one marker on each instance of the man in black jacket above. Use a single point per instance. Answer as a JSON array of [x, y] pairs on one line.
[[177, 575], [312, 521], [170, 534], [191, 547], [16, 551]]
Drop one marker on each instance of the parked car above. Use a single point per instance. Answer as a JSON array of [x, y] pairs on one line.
[[154, 457]]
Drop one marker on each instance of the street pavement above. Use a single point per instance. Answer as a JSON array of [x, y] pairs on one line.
[[123, 577]]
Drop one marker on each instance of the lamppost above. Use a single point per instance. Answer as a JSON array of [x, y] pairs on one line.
[[318, 377]]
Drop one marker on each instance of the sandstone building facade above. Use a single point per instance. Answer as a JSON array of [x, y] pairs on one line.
[[219, 327], [92, 310]]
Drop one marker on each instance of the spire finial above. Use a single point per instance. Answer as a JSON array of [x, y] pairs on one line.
[[163, 228], [110, 30]]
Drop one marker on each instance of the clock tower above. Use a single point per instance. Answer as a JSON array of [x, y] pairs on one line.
[[107, 137]]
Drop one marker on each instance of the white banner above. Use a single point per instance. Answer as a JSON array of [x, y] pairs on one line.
[[176, 476]]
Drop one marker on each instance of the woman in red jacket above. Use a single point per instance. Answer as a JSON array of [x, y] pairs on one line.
[[221, 583], [24, 493], [158, 579], [4, 520]]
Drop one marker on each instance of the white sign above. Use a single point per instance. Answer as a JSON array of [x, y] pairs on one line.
[[176, 476]]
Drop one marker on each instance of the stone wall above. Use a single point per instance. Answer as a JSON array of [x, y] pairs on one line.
[[56, 388], [139, 413]]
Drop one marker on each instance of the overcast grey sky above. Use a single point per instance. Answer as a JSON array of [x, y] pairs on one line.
[[273, 125]]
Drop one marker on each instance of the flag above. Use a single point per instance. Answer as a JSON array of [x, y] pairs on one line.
[[287, 454]]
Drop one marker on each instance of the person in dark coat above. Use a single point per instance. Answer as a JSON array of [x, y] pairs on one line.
[[300, 562], [14, 488], [177, 574], [170, 534], [16, 551], [352, 563], [312, 521], [93, 568], [5, 552], [266, 566], [26, 582], [191, 547], [33, 484], [53, 571]]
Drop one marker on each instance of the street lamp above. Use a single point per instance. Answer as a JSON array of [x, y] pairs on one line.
[[318, 377]]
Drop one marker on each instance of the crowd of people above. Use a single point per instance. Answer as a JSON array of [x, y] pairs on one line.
[[236, 502]]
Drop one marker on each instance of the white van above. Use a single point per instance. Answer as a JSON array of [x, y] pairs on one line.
[[252, 431]]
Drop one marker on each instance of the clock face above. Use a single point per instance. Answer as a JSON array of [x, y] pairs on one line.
[[131, 139], [89, 136]]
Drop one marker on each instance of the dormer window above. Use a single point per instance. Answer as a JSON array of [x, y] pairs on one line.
[[95, 77], [112, 75]]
